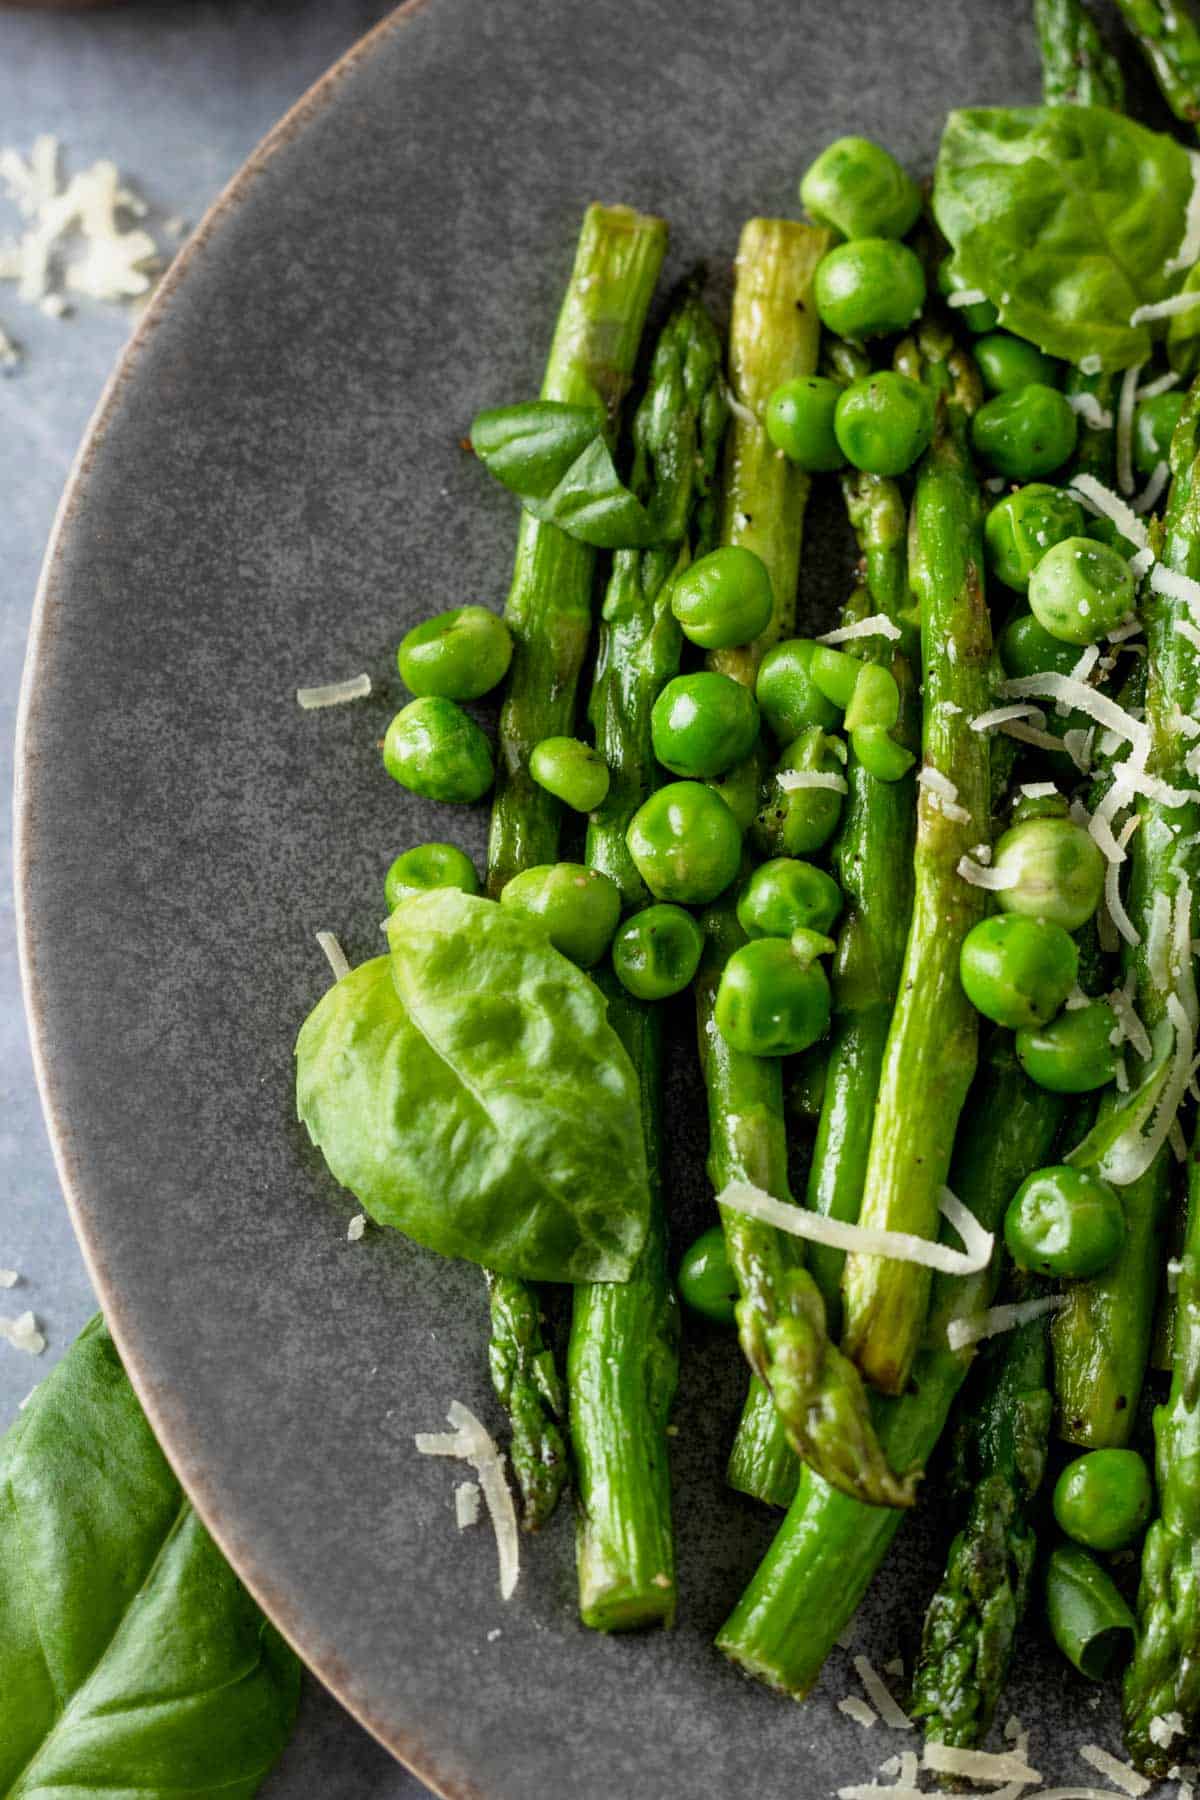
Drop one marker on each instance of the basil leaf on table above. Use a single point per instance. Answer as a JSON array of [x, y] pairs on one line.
[[1067, 218], [556, 458], [470, 1091], [132, 1660]]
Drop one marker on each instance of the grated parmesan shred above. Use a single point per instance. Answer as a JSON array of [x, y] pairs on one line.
[[1038, 790], [1164, 309], [878, 625], [466, 1504], [1149, 496], [1162, 384], [470, 1443], [858, 1710], [790, 780], [334, 954], [966, 297], [1004, 715], [356, 1228], [1176, 587], [975, 874], [974, 1327], [1125, 405], [23, 1334], [1090, 411], [978, 1765], [334, 693], [9, 1278], [1052, 686], [880, 1696], [1100, 499], [900, 1246], [1121, 1774], [1112, 887]]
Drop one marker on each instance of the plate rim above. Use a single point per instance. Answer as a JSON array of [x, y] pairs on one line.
[[321, 1662]]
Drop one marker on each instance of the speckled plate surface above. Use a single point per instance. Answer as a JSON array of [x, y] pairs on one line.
[[272, 491]]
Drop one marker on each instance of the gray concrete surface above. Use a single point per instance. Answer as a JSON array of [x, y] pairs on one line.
[[176, 92]]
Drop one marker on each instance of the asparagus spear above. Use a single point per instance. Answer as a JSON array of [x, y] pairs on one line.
[[934, 1027], [829, 1545], [1077, 69], [781, 1320], [873, 856], [1102, 1335], [970, 1626], [1170, 43], [622, 1362], [1164, 1677], [617, 262]]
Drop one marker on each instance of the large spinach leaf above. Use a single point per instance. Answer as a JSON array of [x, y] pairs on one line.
[[132, 1660], [471, 1092], [1068, 218], [556, 458]]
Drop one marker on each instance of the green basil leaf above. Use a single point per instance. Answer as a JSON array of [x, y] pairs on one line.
[[470, 1092], [556, 459], [132, 1659], [1067, 218], [530, 448]]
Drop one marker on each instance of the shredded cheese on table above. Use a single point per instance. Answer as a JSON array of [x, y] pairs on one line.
[[466, 1504], [1122, 1774], [9, 1278], [901, 1246], [978, 1765], [356, 1228], [859, 1711], [880, 1696], [334, 693], [472, 1444], [878, 625], [23, 1334]]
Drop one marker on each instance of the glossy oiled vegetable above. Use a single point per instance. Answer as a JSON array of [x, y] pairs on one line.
[[933, 1026], [789, 698], [1170, 41], [1153, 427], [1052, 869], [1088, 1619], [1081, 590], [497, 1120], [724, 599], [572, 771], [970, 1627], [575, 906], [1017, 971], [549, 603], [1025, 432], [860, 189], [1065, 1222], [869, 287], [428, 866], [459, 655], [781, 1321], [1077, 70], [977, 315], [830, 1545], [1074, 1053], [656, 952], [1103, 1499], [623, 1357], [1021, 528], [773, 998], [134, 1661], [432, 748], [703, 724], [685, 843], [1008, 362], [884, 422], [784, 894], [1084, 212], [800, 422], [797, 821], [706, 1281]]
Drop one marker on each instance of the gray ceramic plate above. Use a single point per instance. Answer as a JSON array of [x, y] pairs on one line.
[[271, 493]]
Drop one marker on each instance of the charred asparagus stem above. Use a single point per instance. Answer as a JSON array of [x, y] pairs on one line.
[[1170, 43], [967, 1641], [781, 1319], [1077, 69], [829, 1545], [934, 1027], [599, 328], [622, 1362]]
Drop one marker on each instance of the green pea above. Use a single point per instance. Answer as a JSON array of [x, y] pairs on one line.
[[859, 189], [788, 696], [835, 673], [1024, 807], [884, 422], [573, 772], [577, 907], [685, 843], [432, 748], [428, 866], [1053, 869], [703, 724], [723, 599], [456, 655], [1017, 971], [1089, 1621], [1081, 590], [738, 788], [706, 1281], [1026, 648], [1027, 432], [800, 422], [981, 315], [1103, 1499], [771, 1001], [1022, 526], [657, 951], [785, 894], [797, 821], [1064, 1221], [880, 754], [875, 700], [1008, 362], [1154, 425], [869, 288], [1074, 1053]]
